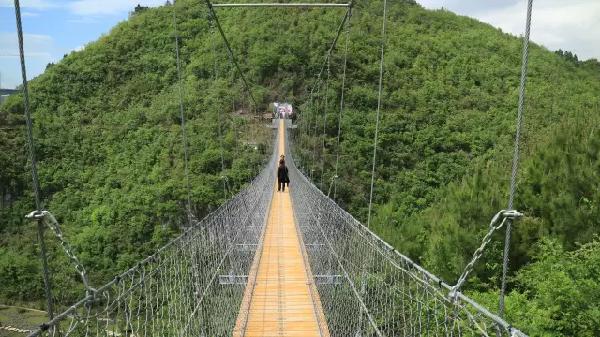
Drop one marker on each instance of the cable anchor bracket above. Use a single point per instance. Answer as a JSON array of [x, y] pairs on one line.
[[49, 220], [497, 222]]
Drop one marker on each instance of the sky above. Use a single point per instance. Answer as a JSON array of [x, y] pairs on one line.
[[53, 28], [572, 25], [56, 27]]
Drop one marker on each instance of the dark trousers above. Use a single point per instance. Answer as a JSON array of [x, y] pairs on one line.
[[280, 185]]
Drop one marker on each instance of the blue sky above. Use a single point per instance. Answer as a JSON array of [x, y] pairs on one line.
[[56, 27], [53, 28]]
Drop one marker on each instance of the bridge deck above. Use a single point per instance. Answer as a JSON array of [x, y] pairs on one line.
[[280, 298]]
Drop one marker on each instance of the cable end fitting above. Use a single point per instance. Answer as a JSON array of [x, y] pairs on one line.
[[36, 215], [453, 294], [512, 214]]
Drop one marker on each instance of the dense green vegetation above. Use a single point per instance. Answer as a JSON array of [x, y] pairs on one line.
[[107, 127], [110, 153], [445, 151]]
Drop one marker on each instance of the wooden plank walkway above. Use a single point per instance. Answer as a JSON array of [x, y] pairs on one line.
[[280, 297]]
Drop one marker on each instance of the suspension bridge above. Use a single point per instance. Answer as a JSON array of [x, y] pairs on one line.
[[269, 263]]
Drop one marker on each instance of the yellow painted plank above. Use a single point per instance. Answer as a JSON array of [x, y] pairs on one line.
[[280, 298]]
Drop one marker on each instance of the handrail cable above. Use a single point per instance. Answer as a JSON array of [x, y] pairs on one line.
[[515, 163], [33, 162]]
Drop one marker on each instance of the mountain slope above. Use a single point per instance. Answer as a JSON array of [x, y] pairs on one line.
[[444, 157], [108, 136]]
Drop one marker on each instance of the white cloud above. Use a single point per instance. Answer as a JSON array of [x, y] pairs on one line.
[[84, 20], [35, 4], [29, 14], [108, 7], [462, 6], [36, 45], [38, 53], [569, 25]]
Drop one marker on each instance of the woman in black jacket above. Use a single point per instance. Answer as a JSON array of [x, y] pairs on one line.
[[282, 176]]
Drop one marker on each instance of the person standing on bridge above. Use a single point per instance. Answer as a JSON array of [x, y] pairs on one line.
[[282, 175]]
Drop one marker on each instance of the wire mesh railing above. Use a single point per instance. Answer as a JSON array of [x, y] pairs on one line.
[[188, 287], [367, 288], [194, 285]]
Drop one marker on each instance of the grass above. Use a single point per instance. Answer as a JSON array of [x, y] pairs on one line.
[[21, 318]]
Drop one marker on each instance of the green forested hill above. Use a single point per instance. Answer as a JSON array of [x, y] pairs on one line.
[[445, 151], [107, 126]]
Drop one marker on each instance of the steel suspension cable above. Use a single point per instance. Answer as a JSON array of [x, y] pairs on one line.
[[299, 134], [316, 112], [226, 186], [307, 129], [219, 118], [516, 154], [320, 75], [379, 95], [342, 96], [325, 123], [366, 261], [230, 51], [332, 46], [182, 121], [222, 149], [33, 162]]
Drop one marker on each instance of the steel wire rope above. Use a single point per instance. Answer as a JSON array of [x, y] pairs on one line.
[[184, 141], [326, 107], [379, 96], [311, 129], [332, 221], [300, 136], [416, 292], [315, 142], [219, 116], [307, 130], [342, 96], [332, 46], [320, 75], [324, 66], [516, 154], [232, 57], [170, 261], [33, 163]]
